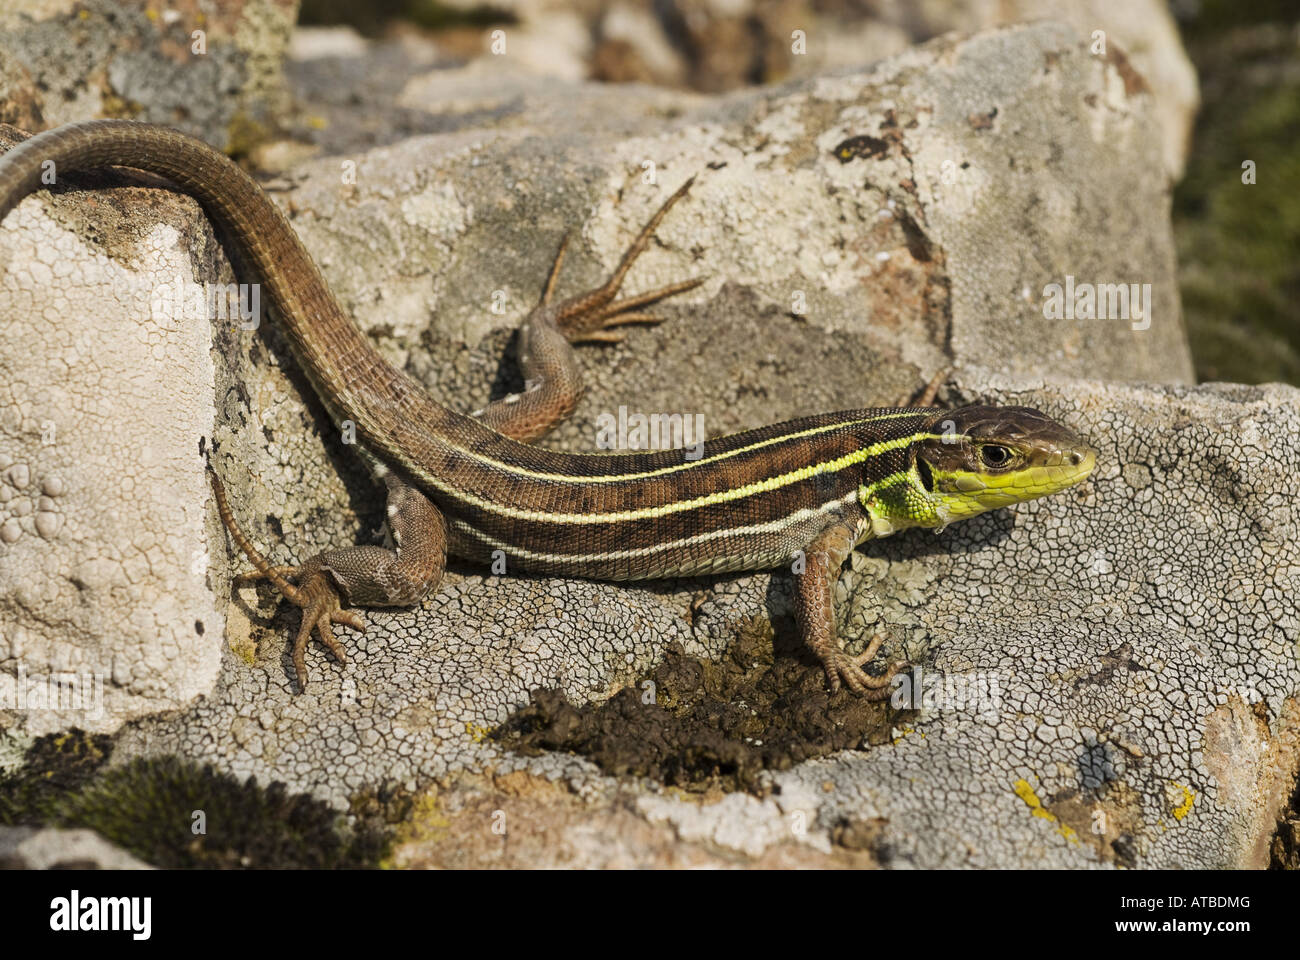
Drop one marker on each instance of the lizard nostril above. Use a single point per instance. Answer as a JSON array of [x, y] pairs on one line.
[[1076, 458]]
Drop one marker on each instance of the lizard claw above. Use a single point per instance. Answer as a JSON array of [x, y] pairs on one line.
[[321, 607], [843, 668], [586, 324]]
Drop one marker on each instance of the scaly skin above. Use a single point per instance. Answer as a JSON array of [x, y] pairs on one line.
[[801, 493]]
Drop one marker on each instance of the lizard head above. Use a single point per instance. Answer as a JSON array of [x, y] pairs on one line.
[[978, 459]]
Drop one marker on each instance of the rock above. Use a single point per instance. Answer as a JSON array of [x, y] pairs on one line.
[[711, 46], [104, 408], [850, 255], [32, 848], [1140, 38], [215, 73]]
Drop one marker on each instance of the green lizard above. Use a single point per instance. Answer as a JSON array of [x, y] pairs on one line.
[[803, 492]]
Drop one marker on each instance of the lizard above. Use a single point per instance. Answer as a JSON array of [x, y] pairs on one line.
[[802, 494]]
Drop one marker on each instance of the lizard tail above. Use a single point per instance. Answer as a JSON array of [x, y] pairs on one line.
[[263, 567]]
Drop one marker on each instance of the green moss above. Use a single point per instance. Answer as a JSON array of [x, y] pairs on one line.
[[120, 108], [424, 822], [53, 767], [244, 134], [151, 807]]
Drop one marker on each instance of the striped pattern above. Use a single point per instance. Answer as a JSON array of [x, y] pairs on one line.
[[749, 502]]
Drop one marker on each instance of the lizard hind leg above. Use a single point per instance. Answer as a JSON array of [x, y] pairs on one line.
[[553, 384], [590, 315], [364, 574]]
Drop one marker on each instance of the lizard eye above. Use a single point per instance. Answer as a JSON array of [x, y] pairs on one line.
[[994, 455]]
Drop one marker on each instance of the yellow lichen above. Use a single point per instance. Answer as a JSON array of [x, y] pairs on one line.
[[426, 824], [1026, 793]]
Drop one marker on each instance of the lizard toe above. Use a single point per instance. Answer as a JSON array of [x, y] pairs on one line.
[[321, 607], [850, 670]]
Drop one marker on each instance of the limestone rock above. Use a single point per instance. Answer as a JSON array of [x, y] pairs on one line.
[[32, 848]]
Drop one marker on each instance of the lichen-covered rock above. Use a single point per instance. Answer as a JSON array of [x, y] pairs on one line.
[[103, 543], [860, 231], [212, 70]]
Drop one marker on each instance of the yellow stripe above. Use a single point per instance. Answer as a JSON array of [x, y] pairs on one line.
[[775, 526], [723, 496], [686, 465]]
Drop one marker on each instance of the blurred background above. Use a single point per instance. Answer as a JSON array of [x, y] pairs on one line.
[[1239, 251]]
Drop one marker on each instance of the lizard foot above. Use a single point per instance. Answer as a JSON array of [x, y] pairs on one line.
[[590, 316], [845, 668], [321, 607], [595, 326]]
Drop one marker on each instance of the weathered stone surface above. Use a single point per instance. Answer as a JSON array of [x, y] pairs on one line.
[[1137, 678], [1137, 32], [32, 848], [103, 543], [714, 45], [213, 70]]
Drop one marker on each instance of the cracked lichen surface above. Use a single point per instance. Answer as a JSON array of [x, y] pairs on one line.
[[94, 484], [1142, 627]]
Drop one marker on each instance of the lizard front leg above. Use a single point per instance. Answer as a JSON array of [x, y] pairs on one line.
[[815, 613]]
